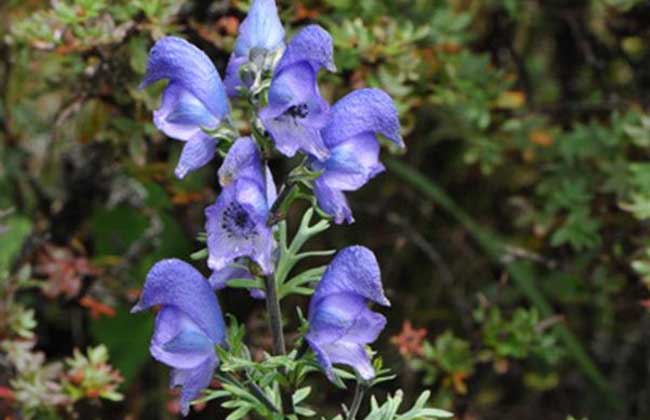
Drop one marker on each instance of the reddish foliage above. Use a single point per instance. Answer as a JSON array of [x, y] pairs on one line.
[[97, 309], [63, 269], [409, 340]]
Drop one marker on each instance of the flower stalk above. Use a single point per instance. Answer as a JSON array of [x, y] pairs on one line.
[[275, 315], [359, 393]]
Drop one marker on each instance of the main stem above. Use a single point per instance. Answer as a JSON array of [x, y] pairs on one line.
[[275, 315], [275, 321], [359, 392]]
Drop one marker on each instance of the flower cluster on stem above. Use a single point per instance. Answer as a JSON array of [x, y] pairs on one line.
[[247, 240]]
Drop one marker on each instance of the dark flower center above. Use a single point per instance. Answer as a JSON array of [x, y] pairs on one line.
[[298, 111], [237, 222]]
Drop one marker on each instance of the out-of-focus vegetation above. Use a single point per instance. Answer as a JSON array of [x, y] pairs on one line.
[[513, 233]]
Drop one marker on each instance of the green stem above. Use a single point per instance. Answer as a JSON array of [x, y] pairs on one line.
[[279, 347], [252, 387], [261, 396], [278, 210], [275, 315], [359, 392], [521, 272]]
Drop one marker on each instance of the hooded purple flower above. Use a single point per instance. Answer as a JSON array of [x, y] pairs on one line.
[[261, 33], [188, 325], [350, 136], [194, 99], [236, 222], [296, 112], [340, 323]]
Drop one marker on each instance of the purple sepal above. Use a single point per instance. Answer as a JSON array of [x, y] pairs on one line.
[[333, 202], [188, 326], [194, 99], [176, 283], [296, 112], [188, 67], [350, 135], [236, 223], [260, 29], [197, 152], [243, 160], [193, 380], [313, 45], [340, 323], [363, 111]]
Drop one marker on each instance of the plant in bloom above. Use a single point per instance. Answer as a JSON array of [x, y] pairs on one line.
[[296, 113], [259, 44], [340, 322], [236, 223], [247, 241], [193, 101], [350, 136], [188, 325]]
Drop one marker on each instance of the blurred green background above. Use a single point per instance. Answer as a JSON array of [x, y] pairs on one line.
[[513, 233]]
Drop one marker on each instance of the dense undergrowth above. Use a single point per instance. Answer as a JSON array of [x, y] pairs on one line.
[[513, 231]]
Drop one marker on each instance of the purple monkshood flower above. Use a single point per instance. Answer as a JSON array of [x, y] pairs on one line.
[[188, 326], [236, 222], [261, 32], [194, 100], [296, 112], [340, 323], [350, 136], [219, 279]]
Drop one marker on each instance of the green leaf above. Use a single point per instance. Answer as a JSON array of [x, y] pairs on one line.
[[241, 412], [129, 352], [301, 394], [246, 283], [17, 230]]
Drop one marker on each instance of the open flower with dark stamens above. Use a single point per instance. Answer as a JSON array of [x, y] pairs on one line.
[[188, 326], [350, 136], [236, 223], [261, 35], [340, 323], [296, 112], [194, 100]]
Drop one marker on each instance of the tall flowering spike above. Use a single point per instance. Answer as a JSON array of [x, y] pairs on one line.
[[350, 136], [195, 99], [260, 31], [236, 223], [340, 323], [296, 112], [188, 326]]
